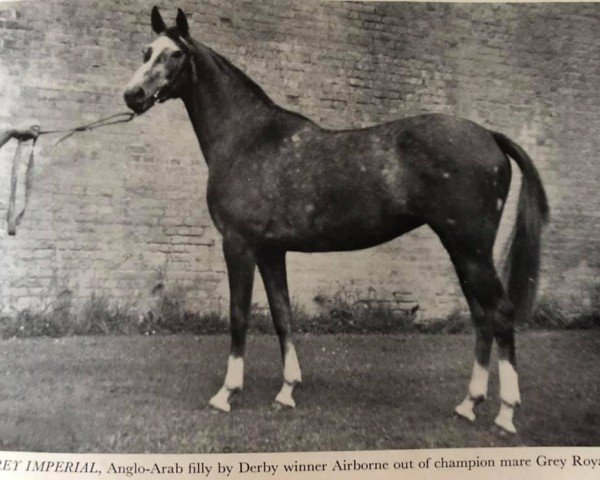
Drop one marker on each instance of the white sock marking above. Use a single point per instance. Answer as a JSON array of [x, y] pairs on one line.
[[285, 396], [291, 367], [234, 380], [477, 388], [465, 409], [505, 418], [509, 383], [291, 376], [221, 399], [479, 381]]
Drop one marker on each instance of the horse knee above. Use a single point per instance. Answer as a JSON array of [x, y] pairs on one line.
[[504, 332], [238, 318], [282, 326]]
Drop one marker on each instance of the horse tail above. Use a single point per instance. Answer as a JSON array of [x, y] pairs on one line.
[[521, 269]]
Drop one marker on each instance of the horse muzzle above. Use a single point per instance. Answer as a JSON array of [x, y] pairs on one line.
[[136, 98]]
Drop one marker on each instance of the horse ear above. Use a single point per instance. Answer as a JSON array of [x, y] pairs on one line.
[[182, 24], [158, 24]]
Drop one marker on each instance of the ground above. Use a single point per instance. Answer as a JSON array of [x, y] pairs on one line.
[[149, 394]]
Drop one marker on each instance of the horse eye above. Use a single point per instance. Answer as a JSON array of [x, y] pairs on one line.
[[177, 54], [147, 54]]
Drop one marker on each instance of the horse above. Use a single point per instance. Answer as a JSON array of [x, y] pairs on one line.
[[278, 182]]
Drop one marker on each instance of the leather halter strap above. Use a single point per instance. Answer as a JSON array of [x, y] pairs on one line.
[[186, 49]]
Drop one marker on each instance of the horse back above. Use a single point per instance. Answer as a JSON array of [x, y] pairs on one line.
[[311, 189]]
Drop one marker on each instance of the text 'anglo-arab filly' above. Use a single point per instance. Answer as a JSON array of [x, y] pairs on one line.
[[278, 182]]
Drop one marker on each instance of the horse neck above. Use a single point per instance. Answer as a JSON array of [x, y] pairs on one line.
[[223, 105]]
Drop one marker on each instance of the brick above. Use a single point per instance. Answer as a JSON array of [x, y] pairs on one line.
[[134, 192]]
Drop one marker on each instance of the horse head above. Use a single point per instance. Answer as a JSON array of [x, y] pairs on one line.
[[163, 74]]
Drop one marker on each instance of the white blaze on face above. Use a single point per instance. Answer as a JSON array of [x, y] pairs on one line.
[[152, 75]]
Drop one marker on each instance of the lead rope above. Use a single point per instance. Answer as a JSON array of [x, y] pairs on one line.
[[13, 220], [122, 117]]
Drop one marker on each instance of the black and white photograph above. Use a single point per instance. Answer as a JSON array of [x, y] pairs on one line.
[[298, 226]]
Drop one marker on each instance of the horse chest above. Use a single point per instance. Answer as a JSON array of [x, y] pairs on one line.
[[237, 202]]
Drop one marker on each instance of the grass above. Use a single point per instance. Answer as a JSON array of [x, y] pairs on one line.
[[150, 393]]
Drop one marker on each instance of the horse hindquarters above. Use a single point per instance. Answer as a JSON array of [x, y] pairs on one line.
[[493, 309], [465, 213]]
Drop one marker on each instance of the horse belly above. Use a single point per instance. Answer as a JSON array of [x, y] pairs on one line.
[[351, 213], [349, 237], [345, 224]]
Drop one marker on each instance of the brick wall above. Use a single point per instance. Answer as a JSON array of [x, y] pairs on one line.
[[118, 211]]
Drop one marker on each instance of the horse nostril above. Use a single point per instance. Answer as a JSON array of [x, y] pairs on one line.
[[134, 94], [139, 93]]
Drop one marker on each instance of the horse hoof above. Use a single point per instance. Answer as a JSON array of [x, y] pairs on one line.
[[223, 407], [284, 400], [465, 411], [219, 403], [505, 424]]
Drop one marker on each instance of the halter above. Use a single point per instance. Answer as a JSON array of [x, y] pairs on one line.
[[166, 92]]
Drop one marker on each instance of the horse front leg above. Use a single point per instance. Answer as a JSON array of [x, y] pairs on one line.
[[272, 268], [240, 268]]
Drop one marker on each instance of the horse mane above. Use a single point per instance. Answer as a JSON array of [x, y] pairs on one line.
[[223, 63], [228, 68]]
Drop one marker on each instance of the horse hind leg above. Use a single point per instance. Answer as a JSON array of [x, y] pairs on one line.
[[499, 316], [484, 336], [272, 268], [492, 315], [240, 268], [510, 396]]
